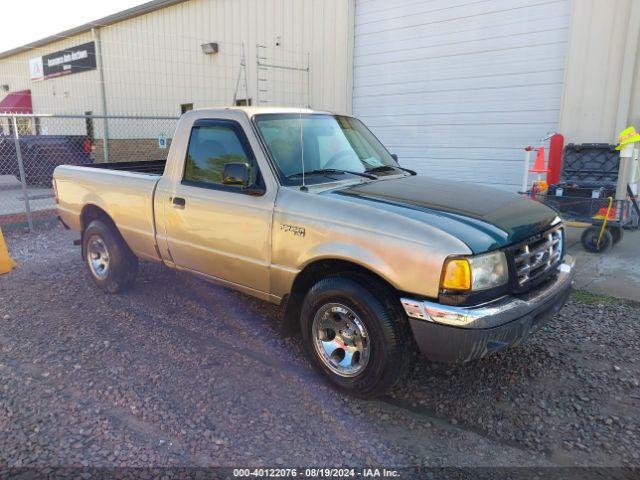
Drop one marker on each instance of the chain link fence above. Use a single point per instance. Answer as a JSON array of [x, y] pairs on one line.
[[32, 146]]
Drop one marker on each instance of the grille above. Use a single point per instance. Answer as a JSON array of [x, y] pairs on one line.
[[539, 256]]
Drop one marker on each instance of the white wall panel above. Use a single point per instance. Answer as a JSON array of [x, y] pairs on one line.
[[153, 62], [168, 67], [457, 87]]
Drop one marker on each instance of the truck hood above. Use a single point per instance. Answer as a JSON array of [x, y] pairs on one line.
[[482, 217]]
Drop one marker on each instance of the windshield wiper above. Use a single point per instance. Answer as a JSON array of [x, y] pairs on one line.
[[322, 171], [386, 168]]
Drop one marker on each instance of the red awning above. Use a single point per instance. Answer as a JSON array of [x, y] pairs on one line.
[[17, 102]]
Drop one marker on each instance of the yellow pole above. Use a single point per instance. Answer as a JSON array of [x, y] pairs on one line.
[[604, 222], [6, 262]]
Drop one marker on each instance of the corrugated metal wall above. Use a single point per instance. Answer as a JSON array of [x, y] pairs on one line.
[[153, 63], [168, 68], [457, 87], [592, 96]]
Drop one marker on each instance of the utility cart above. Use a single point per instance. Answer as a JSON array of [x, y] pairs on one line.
[[590, 194]]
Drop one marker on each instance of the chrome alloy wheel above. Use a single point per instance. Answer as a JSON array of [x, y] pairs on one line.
[[98, 257], [340, 339]]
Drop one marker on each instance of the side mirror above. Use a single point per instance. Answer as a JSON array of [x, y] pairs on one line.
[[236, 173], [394, 156]]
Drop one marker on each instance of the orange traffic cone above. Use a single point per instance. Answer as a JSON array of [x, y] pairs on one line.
[[539, 166], [6, 262]]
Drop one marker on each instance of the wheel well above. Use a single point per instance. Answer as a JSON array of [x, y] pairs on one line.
[[314, 272], [91, 213]]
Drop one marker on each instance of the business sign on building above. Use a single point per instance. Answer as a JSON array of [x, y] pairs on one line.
[[65, 62], [35, 68]]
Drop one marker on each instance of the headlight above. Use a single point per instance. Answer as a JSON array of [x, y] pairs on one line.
[[481, 272]]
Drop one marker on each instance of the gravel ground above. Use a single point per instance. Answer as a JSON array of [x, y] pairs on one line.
[[182, 373]]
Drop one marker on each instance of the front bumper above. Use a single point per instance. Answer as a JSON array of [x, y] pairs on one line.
[[461, 334]]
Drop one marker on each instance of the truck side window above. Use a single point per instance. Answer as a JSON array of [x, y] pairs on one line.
[[210, 148]]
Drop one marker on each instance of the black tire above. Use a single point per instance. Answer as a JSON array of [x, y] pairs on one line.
[[616, 234], [389, 340], [121, 263], [589, 240]]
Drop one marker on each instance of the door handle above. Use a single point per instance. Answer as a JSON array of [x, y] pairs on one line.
[[178, 202]]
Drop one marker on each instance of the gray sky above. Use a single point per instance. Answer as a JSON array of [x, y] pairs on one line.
[[24, 21]]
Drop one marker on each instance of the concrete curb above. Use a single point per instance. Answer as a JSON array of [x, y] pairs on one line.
[[9, 182]]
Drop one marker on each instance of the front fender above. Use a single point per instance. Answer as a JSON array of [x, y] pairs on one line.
[[405, 252], [405, 264], [348, 253]]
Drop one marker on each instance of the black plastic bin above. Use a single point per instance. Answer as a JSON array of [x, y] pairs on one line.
[[588, 181]]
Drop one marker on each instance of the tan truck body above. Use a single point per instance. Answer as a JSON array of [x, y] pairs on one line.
[[243, 241]]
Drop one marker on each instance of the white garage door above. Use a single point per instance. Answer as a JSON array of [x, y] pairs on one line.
[[457, 88]]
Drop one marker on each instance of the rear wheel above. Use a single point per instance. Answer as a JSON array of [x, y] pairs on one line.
[[355, 335], [111, 263]]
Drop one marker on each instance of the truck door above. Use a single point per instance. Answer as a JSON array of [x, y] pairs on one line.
[[216, 229]]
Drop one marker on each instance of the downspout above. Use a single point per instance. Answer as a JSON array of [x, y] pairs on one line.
[[351, 40], [103, 93], [628, 67]]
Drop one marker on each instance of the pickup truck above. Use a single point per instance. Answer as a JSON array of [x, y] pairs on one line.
[[308, 210], [41, 154]]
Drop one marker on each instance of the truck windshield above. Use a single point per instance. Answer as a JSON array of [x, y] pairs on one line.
[[333, 145]]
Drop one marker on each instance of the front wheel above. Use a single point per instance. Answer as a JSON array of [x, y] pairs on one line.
[[111, 263], [355, 336]]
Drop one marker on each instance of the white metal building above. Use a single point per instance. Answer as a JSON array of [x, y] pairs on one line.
[[455, 87]]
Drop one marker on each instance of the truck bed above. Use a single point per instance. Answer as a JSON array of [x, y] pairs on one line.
[[124, 190], [151, 167]]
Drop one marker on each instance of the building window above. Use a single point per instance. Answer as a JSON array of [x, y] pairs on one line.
[[243, 102], [185, 107]]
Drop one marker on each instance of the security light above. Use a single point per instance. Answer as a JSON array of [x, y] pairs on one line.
[[209, 48]]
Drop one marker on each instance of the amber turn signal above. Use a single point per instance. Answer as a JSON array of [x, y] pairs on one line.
[[456, 275]]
